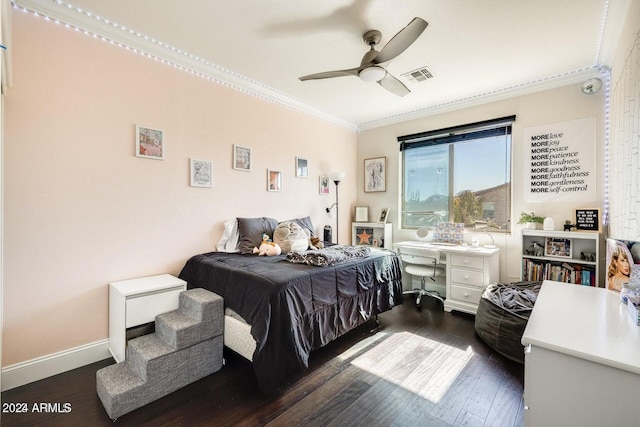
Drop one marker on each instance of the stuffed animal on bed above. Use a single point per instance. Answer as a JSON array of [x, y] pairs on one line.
[[291, 237], [267, 247], [315, 243]]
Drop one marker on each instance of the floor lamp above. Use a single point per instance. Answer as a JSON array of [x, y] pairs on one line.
[[336, 177]]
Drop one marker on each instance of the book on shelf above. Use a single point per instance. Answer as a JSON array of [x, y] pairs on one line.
[[536, 270]]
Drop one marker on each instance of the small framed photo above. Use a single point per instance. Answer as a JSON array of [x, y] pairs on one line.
[[560, 247], [149, 143], [362, 214], [302, 168], [375, 174], [324, 185], [384, 214], [274, 180], [364, 236], [201, 173], [241, 158]]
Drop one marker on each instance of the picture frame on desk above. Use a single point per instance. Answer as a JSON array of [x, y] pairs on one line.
[[362, 214], [557, 247], [384, 214]]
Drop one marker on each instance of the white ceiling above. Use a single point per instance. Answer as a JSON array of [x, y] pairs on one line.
[[475, 49]]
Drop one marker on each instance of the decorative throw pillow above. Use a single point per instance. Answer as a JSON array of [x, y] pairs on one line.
[[291, 237], [229, 240], [305, 223], [250, 232]]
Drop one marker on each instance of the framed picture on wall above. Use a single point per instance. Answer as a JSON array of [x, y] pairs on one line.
[[274, 180], [201, 173], [375, 174], [241, 158], [302, 168], [324, 185], [149, 143]]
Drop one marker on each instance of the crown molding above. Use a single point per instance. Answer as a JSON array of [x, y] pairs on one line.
[[92, 25], [96, 26], [578, 76]]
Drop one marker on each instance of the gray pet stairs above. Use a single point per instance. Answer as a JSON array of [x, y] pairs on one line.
[[185, 347]]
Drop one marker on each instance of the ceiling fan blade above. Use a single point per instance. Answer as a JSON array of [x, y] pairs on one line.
[[394, 85], [330, 74], [401, 41]]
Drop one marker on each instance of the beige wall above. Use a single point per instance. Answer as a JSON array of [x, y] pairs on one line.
[[552, 106], [81, 210]]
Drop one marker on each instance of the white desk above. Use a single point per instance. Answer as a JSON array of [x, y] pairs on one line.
[[582, 359], [469, 271]]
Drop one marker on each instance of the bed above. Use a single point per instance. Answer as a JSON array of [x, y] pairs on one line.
[[290, 309]]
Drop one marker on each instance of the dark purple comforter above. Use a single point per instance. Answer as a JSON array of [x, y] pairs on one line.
[[296, 308]]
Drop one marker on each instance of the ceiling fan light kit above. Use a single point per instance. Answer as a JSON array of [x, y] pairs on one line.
[[370, 69], [372, 74]]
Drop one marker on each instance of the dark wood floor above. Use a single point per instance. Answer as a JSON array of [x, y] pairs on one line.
[[420, 368]]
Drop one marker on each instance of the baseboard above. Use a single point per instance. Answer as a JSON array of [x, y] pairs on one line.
[[36, 369]]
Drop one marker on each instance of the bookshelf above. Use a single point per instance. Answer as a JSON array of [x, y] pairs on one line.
[[562, 256]]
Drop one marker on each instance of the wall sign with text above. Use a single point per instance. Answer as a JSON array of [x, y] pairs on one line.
[[587, 219], [562, 162]]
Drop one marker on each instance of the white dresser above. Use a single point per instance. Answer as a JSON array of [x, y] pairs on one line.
[[582, 359], [469, 271], [468, 274], [136, 302]]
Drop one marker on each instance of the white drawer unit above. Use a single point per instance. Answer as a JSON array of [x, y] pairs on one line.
[[467, 277], [137, 302], [467, 261], [469, 295]]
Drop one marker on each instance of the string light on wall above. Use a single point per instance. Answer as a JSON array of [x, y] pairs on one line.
[[606, 75], [115, 34]]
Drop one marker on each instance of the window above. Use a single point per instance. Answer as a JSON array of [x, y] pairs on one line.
[[460, 174]]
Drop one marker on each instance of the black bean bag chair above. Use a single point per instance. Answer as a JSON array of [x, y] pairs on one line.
[[502, 315]]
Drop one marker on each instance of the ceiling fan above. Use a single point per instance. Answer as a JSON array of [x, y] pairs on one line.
[[370, 69]]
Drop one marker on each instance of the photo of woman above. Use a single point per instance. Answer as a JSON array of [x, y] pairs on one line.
[[618, 265]]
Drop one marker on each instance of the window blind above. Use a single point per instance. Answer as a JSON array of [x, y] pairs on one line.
[[477, 130]]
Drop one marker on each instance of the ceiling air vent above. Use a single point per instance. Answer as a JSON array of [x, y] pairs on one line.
[[419, 75]]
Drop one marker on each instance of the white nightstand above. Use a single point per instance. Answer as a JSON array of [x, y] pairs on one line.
[[136, 302]]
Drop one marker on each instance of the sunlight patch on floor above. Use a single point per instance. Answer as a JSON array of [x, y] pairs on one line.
[[418, 364], [361, 345]]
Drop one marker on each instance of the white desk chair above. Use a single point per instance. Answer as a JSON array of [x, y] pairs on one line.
[[423, 263]]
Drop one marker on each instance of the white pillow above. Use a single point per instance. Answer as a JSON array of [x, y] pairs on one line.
[[229, 240]]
